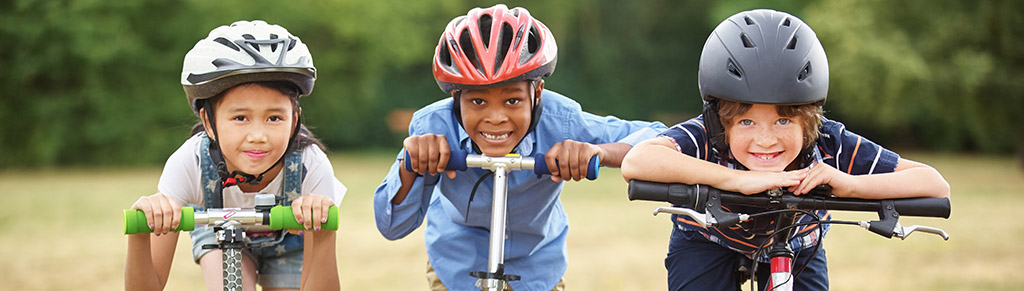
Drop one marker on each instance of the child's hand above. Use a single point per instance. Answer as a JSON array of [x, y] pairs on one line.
[[428, 153], [162, 213], [753, 182], [572, 159], [842, 184], [311, 210]]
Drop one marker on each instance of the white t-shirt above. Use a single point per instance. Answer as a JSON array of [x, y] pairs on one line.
[[181, 178]]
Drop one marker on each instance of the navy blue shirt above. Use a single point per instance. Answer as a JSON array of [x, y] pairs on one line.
[[836, 147]]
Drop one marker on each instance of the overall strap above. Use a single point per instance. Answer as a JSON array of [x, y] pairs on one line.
[[294, 172], [208, 175]]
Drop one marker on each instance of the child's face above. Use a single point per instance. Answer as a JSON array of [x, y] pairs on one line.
[[254, 124], [497, 118], [762, 140]]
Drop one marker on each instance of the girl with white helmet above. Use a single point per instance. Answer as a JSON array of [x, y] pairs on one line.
[[244, 81]]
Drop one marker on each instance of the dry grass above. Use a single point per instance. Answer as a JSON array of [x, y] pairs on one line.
[[61, 228]]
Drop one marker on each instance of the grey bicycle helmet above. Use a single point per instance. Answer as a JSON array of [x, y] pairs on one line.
[[764, 57], [244, 52], [760, 57]]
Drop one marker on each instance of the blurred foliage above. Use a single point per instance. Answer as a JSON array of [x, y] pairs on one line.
[[97, 82]]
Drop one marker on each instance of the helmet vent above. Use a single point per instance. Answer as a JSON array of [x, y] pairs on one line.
[[273, 46], [747, 43], [733, 69], [291, 43], [792, 43], [227, 43], [533, 40], [785, 22], [804, 73], [445, 54], [250, 37], [503, 46], [466, 43], [485, 29], [748, 20]]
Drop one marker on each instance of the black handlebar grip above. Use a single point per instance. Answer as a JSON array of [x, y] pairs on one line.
[[930, 207], [675, 193]]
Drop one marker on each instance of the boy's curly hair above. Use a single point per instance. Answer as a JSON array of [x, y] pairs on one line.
[[808, 116]]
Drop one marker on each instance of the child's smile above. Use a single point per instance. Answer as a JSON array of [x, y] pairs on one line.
[[497, 118], [762, 140]]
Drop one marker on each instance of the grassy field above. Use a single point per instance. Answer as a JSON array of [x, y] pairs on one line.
[[61, 231]]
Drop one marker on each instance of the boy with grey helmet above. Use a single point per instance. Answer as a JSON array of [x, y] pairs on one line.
[[763, 79]]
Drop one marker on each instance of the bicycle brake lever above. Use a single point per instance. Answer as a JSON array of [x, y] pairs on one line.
[[702, 219], [903, 232]]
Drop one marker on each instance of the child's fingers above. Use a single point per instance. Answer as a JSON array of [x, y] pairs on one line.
[[444, 153], [175, 214], [297, 210], [551, 159], [143, 205], [316, 214], [432, 158], [164, 216]]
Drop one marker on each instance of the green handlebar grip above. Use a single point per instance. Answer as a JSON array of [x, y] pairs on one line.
[[281, 217], [135, 221]]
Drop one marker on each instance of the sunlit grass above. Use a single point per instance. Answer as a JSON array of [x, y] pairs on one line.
[[60, 230]]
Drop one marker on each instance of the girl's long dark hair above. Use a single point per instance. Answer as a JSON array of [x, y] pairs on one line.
[[303, 138]]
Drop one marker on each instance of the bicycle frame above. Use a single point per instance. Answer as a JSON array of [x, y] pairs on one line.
[[691, 197]]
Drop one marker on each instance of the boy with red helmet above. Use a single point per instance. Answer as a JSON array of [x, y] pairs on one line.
[[492, 62]]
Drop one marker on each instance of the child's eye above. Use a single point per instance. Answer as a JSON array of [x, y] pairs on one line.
[[746, 122], [513, 101], [275, 118], [239, 118], [783, 121], [477, 101]]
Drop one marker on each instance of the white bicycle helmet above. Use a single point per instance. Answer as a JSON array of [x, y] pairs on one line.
[[244, 52]]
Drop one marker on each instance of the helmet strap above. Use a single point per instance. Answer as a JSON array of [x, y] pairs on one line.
[[715, 130]]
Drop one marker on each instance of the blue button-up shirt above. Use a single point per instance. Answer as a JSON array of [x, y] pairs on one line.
[[457, 231]]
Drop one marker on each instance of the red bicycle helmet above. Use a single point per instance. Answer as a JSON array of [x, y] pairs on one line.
[[492, 47]]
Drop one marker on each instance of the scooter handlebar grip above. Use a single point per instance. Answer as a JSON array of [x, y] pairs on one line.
[[134, 221], [281, 217]]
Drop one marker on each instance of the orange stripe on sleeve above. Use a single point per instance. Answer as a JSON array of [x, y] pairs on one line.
[[853, 156]]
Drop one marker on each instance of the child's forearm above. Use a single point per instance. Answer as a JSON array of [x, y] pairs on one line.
[[319, 264], [657, 160], [407, 179], [612, 153], [139, 273], [911, 179]]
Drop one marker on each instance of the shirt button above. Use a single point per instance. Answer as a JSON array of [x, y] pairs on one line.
[[388, 211]]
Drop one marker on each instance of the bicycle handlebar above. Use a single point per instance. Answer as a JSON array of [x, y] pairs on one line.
[[461, 160], [277, 218], [692, 196]]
